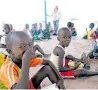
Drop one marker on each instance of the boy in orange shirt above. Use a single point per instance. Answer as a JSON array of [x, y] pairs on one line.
[[14, 73]]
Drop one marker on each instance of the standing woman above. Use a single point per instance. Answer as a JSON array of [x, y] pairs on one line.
[[56, 18]]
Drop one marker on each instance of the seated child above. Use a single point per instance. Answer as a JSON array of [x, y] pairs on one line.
[[94, 35], [91, 26], [6, 30], [27, 30], [62, 63], [46, 34], [94, 53], [26, 27], [70, 25], [89, 33], [74, 33], [34, 32], [50, 27], [38, 29], [3, 52], [14, 73]]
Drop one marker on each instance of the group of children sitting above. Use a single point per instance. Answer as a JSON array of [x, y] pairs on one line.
[[14, 72], [37, 31]]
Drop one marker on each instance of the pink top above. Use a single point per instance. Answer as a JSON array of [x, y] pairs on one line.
[[94, 35]]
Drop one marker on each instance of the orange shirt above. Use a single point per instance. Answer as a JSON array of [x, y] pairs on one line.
[[9, 73]]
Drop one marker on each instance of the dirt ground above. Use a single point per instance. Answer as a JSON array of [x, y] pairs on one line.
[[76, 48]]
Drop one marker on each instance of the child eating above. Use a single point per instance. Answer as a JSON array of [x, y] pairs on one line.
[[62, 63]]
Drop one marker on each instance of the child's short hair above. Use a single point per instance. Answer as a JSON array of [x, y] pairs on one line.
[[62, 30], [69, 24], [91, 25], [6, 26], [11, 37]]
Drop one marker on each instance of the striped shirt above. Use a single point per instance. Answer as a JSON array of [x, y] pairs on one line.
[[10, 72]]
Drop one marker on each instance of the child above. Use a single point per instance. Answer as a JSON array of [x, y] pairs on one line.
[[3, 52], [34, 32], [94, 35], [46, 34], [74, 33], [89, 33], [94, 53], [50, 27], [70, 25], [91, 26], [26, 27], [27, 30], [6, 30], [14, 73], [62, 63]]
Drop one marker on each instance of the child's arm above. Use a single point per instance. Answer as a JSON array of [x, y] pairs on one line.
[[59, 52], [37, 47], [23, 81], [70, 57]]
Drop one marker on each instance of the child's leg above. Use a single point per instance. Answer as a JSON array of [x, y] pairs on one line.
[[44, 72], [84, 72], [82, 60], [90, 55]]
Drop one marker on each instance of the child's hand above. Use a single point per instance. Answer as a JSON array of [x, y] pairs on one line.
[[28, 55], [77, 65]]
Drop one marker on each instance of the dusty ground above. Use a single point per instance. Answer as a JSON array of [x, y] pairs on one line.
[[76, 48]]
